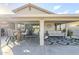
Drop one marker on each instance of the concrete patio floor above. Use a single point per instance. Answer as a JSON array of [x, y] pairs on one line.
[[44, 50], [0, 48], [32, 47]]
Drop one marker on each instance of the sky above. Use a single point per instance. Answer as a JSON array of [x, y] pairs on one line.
[[59, 8]]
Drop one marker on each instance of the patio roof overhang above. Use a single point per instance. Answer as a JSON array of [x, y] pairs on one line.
[[37, 17]]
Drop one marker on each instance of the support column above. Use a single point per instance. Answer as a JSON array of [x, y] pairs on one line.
[[12, 25], [41, 32], [66, 26], [60, 27], [55, 27]]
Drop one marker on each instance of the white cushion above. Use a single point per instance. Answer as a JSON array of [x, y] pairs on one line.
[[55, 33]]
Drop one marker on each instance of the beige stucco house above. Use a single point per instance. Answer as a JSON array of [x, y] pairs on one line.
[[43, 20]]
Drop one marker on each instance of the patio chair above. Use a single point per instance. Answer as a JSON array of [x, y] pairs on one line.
[[10, 37]]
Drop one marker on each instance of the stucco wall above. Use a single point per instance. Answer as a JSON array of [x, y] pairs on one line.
[[49, 26]]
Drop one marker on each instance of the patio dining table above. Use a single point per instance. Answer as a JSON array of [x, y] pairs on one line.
[[31, 36]]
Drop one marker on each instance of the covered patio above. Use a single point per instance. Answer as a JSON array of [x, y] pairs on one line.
[[41, 20]]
